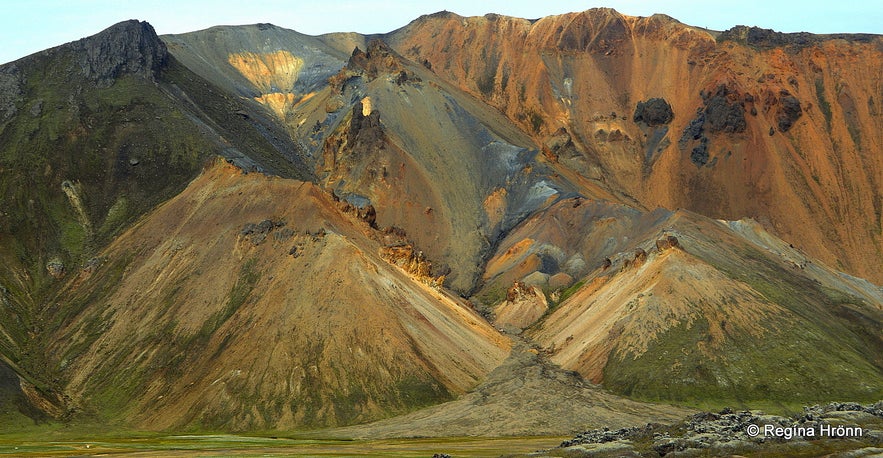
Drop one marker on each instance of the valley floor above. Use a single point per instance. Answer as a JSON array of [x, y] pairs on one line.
[[231, 445]]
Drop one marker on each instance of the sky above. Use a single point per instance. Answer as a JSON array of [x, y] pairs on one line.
[[30, 26]]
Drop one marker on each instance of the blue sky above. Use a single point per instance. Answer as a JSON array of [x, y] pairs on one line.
[[30, 26]]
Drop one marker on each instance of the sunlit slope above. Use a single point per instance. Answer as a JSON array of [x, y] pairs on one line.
[[264, 63], [192, 321], [783, 128], [722, 316]]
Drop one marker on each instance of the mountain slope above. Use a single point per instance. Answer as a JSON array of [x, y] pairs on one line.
[[681, 308], [364, 133], [781, 128], [343, 336], [93, 134], [270, 65]]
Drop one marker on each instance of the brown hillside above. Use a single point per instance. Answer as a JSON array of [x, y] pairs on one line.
[[785, 130], [249, 302]]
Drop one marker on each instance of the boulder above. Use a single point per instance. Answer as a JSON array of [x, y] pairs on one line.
[[654, 112], [724, 112], [789, 112], [56, 268]]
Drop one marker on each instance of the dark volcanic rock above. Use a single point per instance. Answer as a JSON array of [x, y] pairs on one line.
[[699, 155], [365, 133], [369, 215], [724, 112], [654, 112], [379, 59], [767, 38], [693, 131], [257, 233], [789, 112], [130, 47]]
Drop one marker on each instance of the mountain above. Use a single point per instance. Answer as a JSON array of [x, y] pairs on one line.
[[697, 309], [94, 134], [752, 123], [450, 228], [230, 266]]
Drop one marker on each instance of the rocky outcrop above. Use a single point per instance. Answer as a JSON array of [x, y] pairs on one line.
[[364, 130], [257, 233], [789, 111], [558, 143], [654, 112], [768, 38], [56, 268], [369, 215], [728, 432], [667, 242], [724, 111], [11, 82], [378, 60], [411, 261], [131, 47], [363, 136], [524, 305]]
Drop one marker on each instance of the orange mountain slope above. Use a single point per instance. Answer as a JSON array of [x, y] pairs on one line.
[[781, 128]]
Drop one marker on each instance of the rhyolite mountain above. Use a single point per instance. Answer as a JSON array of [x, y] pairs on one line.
[[464, 210]]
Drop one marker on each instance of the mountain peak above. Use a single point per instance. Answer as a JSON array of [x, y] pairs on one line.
[[127, 47]]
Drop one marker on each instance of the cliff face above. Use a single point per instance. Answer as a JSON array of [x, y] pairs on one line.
[[130, 47], [782, 128]]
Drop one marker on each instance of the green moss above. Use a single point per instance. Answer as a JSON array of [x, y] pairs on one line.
[[790, 364], [823, 102], [73, 239], [117, 216], [492, 293], [416, 393], [536, 121], [570, 291], [239, 293]]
